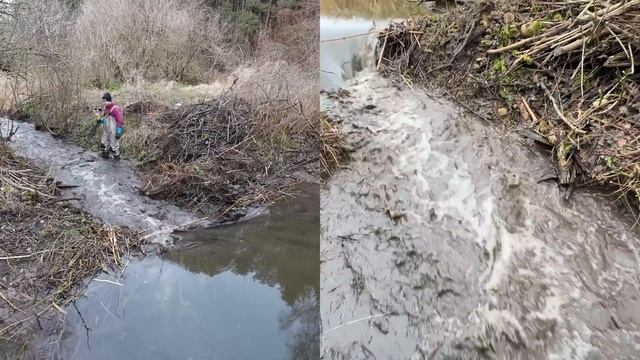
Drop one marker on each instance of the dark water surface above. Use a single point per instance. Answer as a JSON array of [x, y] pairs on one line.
[[247, 291]]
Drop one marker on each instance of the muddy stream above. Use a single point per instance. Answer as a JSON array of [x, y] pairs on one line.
[[439, 242], [241, 291]]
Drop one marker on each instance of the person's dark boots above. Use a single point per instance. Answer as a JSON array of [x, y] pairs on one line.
[[104, 152], [116, 157]]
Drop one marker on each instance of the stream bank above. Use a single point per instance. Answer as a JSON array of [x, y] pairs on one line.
[[108, 190], [524, 66], [49, 249], [214, 157], [249, 255]]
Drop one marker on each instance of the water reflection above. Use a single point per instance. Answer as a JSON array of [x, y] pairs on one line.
[[370, 9], [281, 249], [305, 316], [249, 291]]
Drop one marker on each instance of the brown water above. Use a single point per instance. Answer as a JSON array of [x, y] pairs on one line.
[[371, 9], [437, 241]]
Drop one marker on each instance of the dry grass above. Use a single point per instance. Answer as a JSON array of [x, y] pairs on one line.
[[166, 92], [48, 249], [170, 55], [563, 70], [333, 147], [54, 55], [148, 46], [37, 55], [371, 9], [282, 81], [10, 91]]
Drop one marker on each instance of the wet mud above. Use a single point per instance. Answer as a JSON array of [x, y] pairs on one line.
[[439, 242]]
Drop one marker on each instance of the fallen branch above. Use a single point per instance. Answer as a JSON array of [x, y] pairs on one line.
[[171, 229], [109, 282], [556, 107], [15, 257], [51, 202], [10, 303]]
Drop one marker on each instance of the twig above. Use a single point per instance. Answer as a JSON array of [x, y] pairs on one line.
[[350, 36], [466, 106], [11, 304], [170, 229], [517, 44], [107, 310], [353, 322], [108, 281], [63, 311], [558, 111], [464, 43], [22, 256], [384, 45], [84, 323], [51, 202], [528, 108]]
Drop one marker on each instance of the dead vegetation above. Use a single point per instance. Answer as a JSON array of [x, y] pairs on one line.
[[11, 129], [48, 249], [207, 157], [562, 72], [333, 147], [169, 39]]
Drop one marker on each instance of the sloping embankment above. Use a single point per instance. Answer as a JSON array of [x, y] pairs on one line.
[[562, 72], [47, 250]]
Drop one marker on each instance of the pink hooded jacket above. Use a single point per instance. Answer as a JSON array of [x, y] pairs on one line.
[[113, 110]]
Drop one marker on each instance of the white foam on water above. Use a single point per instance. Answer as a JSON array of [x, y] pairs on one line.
[[106, 189]]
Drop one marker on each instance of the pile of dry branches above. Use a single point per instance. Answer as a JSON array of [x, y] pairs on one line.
[[213, 128], [47, 249], [563, 70], [209, 160]]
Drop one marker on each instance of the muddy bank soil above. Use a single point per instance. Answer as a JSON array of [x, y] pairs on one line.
[[438, 241]]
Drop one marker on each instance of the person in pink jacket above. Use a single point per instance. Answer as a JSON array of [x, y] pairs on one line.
[[112, 128]]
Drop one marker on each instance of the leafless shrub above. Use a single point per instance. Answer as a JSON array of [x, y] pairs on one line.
[[168, 39], [284, 94], [42, 76]]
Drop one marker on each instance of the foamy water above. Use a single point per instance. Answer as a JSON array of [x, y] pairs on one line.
[[438, 235]]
